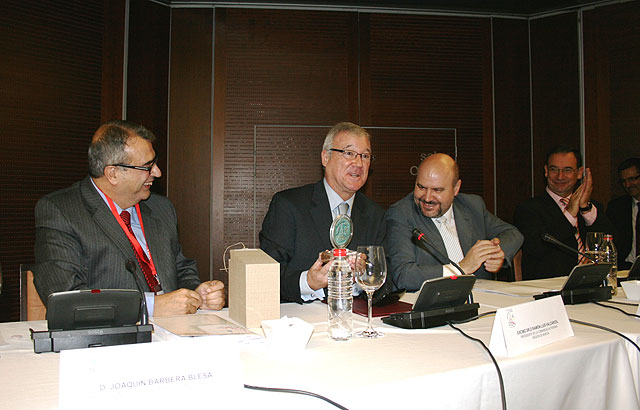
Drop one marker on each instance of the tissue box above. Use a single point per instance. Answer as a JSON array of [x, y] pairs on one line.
[[254, 287]]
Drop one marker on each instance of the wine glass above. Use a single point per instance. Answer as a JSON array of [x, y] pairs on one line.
[[371, 272], [593, 245]]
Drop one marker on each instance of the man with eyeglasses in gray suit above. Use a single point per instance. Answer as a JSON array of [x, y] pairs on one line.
[[94, 233]]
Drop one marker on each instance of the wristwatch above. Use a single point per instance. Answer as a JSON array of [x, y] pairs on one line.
[[586, 208]]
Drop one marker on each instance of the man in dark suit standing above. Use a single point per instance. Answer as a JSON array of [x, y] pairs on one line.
[[565, 211], [295, 230], [458, 225], [90, 234], [623, 213]]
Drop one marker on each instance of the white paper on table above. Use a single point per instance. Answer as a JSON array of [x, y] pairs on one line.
[[180, 373], [521, 328]]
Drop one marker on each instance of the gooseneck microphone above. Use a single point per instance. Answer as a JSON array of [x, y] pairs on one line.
[[419, 236], [548, 238], [144, 313]]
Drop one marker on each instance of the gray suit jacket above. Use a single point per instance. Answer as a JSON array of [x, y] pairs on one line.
[[79, 244], [296, 229], [410, 265]]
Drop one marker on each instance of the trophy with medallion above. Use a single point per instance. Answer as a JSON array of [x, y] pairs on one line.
[[340, 288]]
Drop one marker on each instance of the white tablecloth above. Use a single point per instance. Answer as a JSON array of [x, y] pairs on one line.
[[433, 368]]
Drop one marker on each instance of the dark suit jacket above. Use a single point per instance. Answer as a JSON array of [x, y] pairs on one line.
[[539, 215], [619, 213], [410, 265], [296, 229], [79, 244]]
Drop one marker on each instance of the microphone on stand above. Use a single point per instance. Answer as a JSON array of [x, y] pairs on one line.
[[442, 258], [144, 313], [548, 238]]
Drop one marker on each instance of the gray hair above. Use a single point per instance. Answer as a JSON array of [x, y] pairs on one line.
[[341, 127], [109, 142]]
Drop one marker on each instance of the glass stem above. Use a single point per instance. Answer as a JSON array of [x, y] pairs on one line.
[[369, 305]]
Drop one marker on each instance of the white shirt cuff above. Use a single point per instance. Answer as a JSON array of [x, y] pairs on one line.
[[306, 293], [150, 297]]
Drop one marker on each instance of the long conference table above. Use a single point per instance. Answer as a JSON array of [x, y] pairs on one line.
[[434, 368]]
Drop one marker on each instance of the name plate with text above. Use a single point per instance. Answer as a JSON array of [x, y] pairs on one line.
[[521, 328], [181, 373]]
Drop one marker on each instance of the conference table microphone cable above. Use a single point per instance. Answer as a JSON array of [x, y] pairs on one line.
[[606, 329], [303, 392], [616, 308], [493, 359]]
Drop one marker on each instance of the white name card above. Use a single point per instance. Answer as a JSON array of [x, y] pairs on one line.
[[174, 374], [521, 328]]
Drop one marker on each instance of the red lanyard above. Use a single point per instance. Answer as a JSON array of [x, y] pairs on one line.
[[132, 238]]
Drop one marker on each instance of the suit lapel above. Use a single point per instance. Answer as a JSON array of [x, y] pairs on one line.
[[153, 234], [431, 232], [321, 215], [627, 211], [558, 216], [359, 218], [464, 227], [104, 218]]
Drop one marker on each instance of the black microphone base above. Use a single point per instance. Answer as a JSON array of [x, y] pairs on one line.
[[432, 318], [57, 340], [578, 296]]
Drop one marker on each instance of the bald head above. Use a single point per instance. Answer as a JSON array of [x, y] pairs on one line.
[[441, 163], [437, 184]]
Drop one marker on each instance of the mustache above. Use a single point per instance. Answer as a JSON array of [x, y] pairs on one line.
[[428, 202]]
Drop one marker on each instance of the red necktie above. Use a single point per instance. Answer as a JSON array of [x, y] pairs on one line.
[[143, 261], [581, 259]]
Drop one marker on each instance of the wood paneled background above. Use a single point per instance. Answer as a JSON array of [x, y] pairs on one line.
[[241, 98]]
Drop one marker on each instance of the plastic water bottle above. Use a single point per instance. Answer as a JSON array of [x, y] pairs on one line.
[[340, 297], [609, 254]]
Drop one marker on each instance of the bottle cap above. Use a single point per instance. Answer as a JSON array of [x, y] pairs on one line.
[[339, 252], [608, 237]]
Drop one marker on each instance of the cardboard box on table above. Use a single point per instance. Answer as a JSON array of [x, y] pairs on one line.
[[254, 287]]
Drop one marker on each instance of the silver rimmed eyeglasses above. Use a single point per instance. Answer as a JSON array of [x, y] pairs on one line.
[[147, 168], [353, 155]]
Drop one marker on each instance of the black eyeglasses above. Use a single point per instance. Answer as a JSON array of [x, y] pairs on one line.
[[138, 167], [352, 155]]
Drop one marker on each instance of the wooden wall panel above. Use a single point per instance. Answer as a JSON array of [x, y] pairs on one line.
[[148, 75], [430, 71], [513, 114], [281, 67], [113, 60], [612, 82], [50, 99], [555, 88], [189, 164]]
